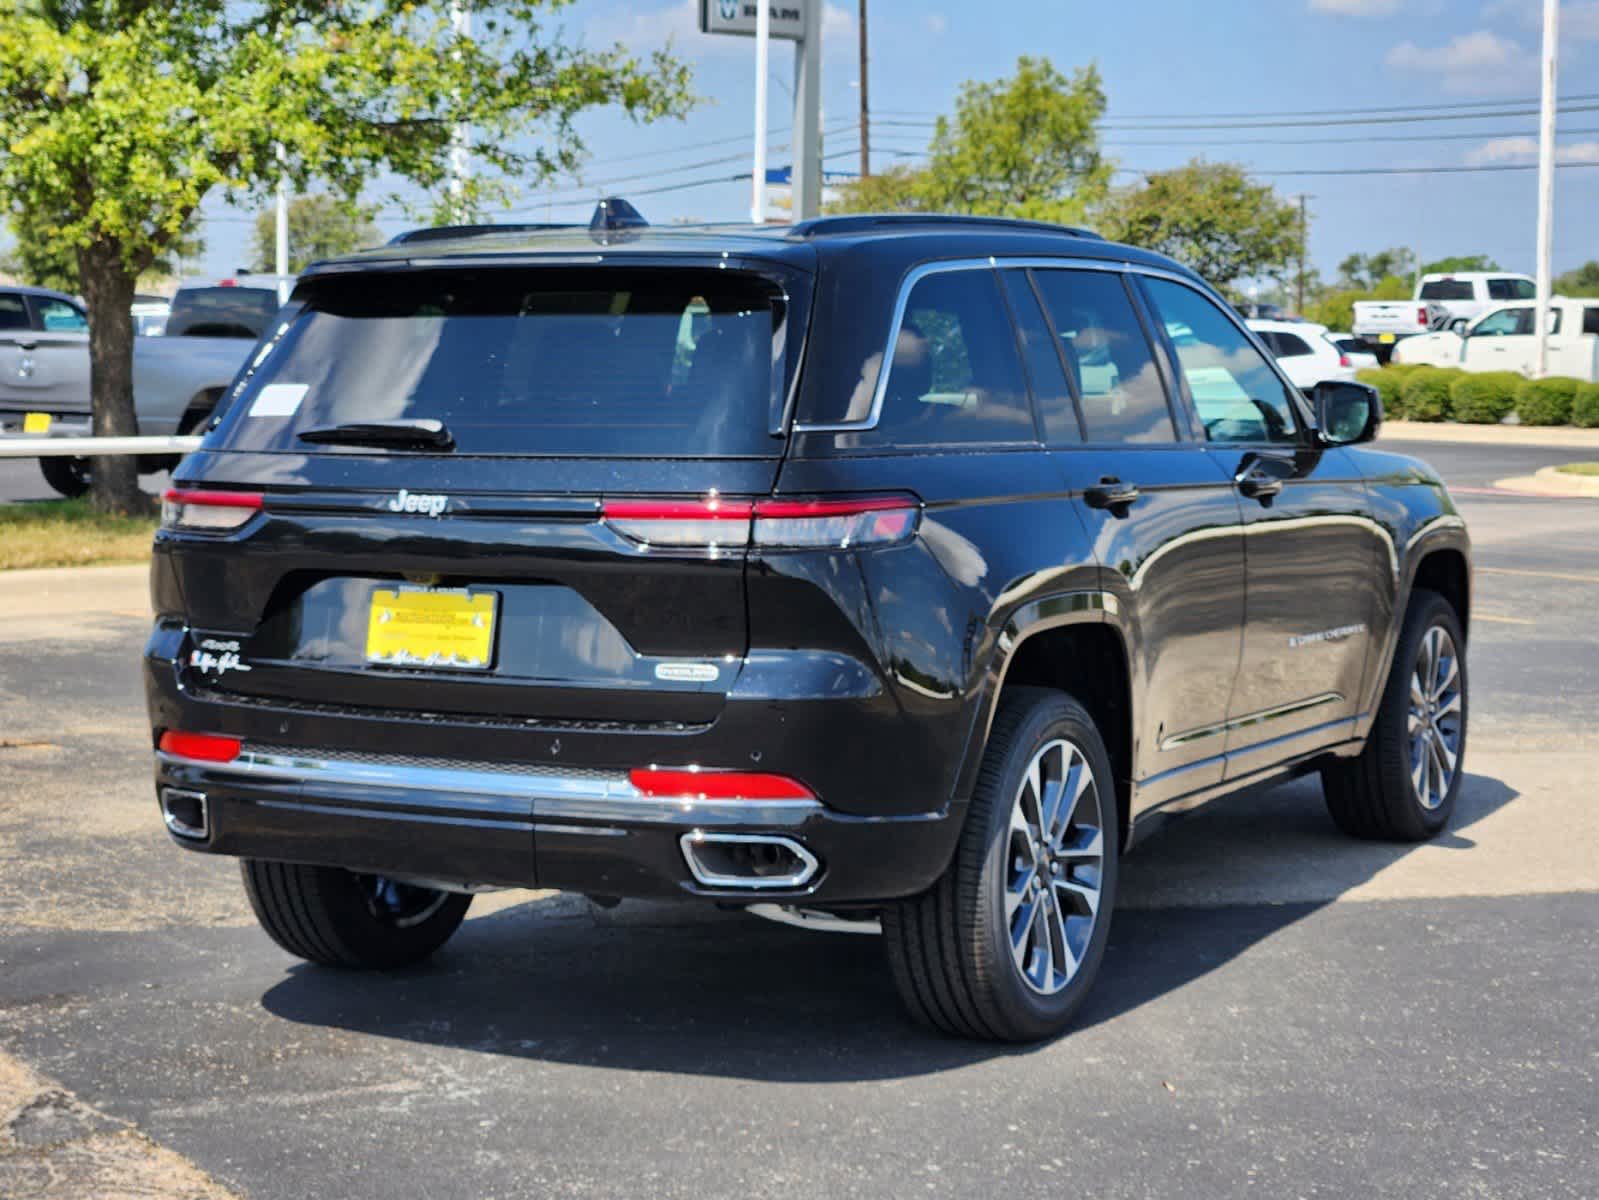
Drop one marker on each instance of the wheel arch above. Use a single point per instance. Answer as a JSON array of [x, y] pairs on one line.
[[1446, 570]]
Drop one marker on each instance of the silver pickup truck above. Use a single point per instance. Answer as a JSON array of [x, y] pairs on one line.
[[177, 378]]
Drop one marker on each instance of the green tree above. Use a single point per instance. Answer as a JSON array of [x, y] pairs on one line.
[[121, 116], [1210, 217], [320, 226], [1459, 262], [1024, 146], [1584, 281], [38, 257], [1363, 272]]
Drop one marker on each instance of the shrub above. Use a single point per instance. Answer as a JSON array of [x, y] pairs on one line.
[[1424, 395], [1484, 399], [1546, 401], [1585, 406], [1387, 381]]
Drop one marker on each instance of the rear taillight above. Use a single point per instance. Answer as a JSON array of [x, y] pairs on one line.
[[1343, 360], [212, 512], [205, 747], [834, 522], [1421, 316], [691, 783]]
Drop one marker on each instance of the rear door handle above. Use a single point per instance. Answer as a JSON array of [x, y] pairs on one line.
[[1113, 494], [1257, 483]]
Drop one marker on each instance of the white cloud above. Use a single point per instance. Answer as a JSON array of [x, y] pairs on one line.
[[1357, 8], [680, 24], [1525, 149], [937, 23], [1470, 63]]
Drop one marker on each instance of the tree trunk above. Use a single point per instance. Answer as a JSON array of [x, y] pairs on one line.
[[108, 287]]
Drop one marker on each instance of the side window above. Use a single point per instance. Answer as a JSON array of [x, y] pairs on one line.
[[1044, 368], [1503, 323], [1590, 320], [1288, 345], [1511, 289], [57, 316], [1107, 353], [1239, 397], [956, 376], [13, 312]]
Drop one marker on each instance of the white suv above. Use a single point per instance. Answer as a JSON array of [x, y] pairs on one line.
[[1304, 351]]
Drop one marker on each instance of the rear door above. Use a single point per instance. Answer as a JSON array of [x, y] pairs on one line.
[[44, 355], [570, 547], [1320, 574], [1163, 521]]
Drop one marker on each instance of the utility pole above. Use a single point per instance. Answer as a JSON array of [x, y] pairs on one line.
[[1304, 246], [1546, 181], [866, 107], [460, 136], [763, 62]]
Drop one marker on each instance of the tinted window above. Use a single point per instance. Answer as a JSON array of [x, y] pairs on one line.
[[239, 312], [1590, 320], [13, 313], [1108, 355], [1238, 396], [956, 376], [1044, 368], [577, 362], [1284, 345], [1447, 289], [57, 316], [1511, 289]]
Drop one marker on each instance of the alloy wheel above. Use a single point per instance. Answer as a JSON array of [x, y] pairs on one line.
[[1437, 712], [1055, 866], [401, 905]]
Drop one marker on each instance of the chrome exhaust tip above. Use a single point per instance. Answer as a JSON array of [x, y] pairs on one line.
[[748, 861], [185, 813]]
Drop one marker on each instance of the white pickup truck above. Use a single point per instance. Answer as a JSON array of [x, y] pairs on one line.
[[1502, 339], [177, 378], [1441, 302]]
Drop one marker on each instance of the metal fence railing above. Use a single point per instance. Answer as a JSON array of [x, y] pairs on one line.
[[91, 447]]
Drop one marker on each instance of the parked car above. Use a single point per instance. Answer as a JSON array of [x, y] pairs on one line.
[[1304, 351], [1504, 340], [178, 378], [873, 572], [150, 315], [1441, 302], [1360, 353]]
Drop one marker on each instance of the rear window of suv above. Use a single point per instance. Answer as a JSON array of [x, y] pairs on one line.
[[1447, 289], [546, 361], [236, 312]]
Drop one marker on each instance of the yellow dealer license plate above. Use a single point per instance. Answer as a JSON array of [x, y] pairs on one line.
[[1387, 339], [35, 422], [431, 627]]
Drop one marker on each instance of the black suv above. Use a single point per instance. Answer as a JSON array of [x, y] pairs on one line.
[[893, 572]]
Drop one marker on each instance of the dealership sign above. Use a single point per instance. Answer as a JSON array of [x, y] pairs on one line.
[[739, 17]]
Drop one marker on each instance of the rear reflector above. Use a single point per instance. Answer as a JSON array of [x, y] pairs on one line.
[[206, 747], [837, 522], [691, 784], [183, 508]]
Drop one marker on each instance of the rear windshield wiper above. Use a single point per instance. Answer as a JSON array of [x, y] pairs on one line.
[[419, 434]]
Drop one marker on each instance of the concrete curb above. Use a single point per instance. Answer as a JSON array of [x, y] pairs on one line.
[[1551, 481], [1559, 437]]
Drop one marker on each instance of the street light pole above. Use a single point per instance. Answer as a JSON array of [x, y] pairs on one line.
[[1546, 181], [866, 108], [280, 259], [763, 62], [460, 136]]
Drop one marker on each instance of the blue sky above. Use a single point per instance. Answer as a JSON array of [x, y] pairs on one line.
[[1159, 59]]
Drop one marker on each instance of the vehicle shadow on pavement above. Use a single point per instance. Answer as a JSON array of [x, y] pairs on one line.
[[680, 989]]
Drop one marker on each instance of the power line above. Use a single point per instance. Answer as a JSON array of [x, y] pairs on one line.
[[1111, 127], [1309, 112]]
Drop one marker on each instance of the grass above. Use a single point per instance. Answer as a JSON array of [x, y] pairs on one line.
[[1579, 469], [69, 533]]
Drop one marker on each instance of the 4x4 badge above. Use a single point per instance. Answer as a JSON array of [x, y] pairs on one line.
[[419, 502]]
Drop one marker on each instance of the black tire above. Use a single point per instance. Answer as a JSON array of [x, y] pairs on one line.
[[340, 919], [68, 476], [1372, 796], [950, 948]]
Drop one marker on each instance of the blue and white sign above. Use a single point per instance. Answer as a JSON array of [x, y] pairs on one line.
[[738, 17]]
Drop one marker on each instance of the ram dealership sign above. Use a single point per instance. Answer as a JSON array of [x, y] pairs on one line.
[[739, 17]]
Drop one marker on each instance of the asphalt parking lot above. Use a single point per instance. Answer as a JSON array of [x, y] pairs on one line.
[[1283, 1012]]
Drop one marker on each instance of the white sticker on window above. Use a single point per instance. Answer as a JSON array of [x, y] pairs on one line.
[[279, 399]]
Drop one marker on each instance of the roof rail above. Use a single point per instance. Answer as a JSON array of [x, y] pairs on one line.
[[441, 232], [867, 222]]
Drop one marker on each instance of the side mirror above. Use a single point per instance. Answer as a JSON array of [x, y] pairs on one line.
[[1458, 325], [1346, 413]]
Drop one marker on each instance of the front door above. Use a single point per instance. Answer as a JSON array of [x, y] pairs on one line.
[[1503, 341], [1311, 548], [1162, 517]]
